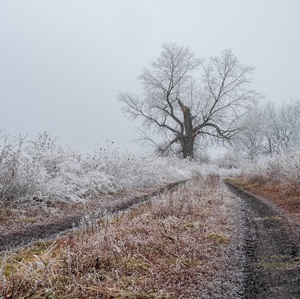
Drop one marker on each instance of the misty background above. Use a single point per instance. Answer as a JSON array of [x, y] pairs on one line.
[[63, 63]]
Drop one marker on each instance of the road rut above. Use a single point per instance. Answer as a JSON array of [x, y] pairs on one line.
[[24, 237], [272, 268]]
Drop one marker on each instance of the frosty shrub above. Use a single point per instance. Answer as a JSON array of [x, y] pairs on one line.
[[286, 170], [20, 175], [282, 170], [41, 169]]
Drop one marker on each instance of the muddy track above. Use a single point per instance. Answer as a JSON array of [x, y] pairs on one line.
[[272, 266], [45, 231]]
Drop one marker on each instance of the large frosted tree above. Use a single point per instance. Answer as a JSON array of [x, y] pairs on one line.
[[185, 97]]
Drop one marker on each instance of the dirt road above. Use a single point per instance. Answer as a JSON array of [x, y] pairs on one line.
[[272, 258], [272, 263]]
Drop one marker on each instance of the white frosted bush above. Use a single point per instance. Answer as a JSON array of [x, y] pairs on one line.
[[43, 170], [283, 169], [20, 175]]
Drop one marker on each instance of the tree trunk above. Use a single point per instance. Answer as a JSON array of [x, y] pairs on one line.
[[187, 141], [187, 146]]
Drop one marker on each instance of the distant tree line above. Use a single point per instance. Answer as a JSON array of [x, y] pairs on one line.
[[270, 129]]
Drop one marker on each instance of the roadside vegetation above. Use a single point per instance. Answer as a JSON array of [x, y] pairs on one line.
[[43, 170], [277, 178]]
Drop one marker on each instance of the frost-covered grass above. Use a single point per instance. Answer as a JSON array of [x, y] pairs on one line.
[[178, 245]]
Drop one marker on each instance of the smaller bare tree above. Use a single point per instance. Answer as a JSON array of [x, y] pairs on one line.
[[270, 129], [283, 127], [251, 140]]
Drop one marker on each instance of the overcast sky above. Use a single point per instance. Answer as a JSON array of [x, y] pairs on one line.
[[63, 62]]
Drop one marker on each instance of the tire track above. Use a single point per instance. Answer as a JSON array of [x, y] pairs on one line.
[[272, 258], [45, 231]]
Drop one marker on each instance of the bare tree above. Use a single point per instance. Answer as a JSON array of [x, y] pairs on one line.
[[283, 127], [183, 106], [270, 129], [251, 140]]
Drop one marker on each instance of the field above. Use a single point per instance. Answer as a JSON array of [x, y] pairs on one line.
[[103, 226]]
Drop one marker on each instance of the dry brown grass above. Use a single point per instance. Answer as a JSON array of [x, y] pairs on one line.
[[175, 246], [283, 194]]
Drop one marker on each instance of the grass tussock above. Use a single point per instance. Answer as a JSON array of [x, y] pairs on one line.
[[174, 246]]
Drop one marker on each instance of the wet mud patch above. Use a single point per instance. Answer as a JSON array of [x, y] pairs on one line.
[[272, 268]]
